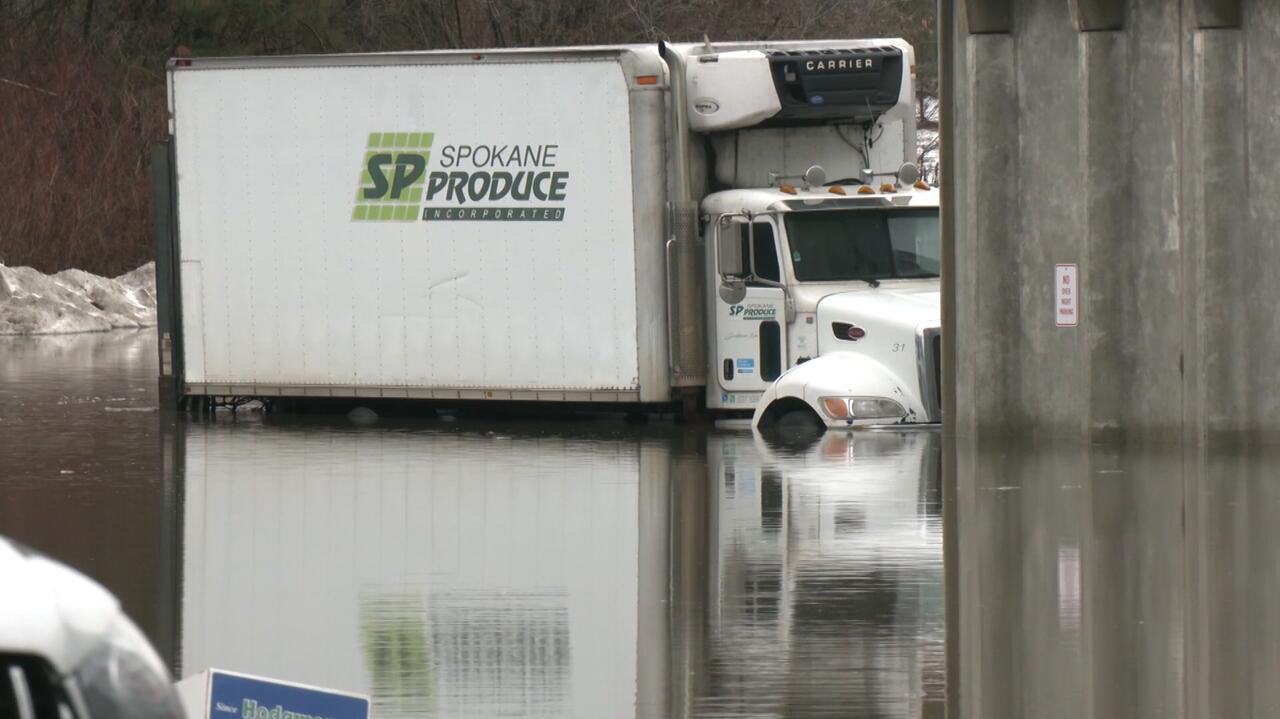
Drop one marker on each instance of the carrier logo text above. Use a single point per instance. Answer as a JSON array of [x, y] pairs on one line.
[[857, 63]]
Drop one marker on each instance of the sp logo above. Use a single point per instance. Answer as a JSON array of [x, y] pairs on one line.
[[392, 175], [406, 169], [753, 312]]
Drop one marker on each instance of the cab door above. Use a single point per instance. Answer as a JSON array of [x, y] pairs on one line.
[[750, 333]]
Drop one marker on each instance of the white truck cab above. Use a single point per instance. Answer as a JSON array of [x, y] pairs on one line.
[[826, 303], [822, 243]]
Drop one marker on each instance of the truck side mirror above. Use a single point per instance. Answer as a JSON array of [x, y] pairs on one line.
[[733, 290], [730, 251], [908, 174]]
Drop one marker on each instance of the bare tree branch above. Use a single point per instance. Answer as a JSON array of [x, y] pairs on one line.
[[25, 86]]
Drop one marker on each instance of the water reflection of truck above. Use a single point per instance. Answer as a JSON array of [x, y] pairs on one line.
[[839, 550], [541, 573], [444, 574], [639, 225]]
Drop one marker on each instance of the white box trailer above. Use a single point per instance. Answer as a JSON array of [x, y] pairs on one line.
[[538, 273], [632, 224]]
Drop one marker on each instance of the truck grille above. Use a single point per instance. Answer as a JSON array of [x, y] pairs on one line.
[[31, 689], [929, 345]]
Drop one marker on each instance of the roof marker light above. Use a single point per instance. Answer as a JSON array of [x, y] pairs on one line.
[[921, 185], [646, 79], [888, 187], [836, 190], [866, 190], [789, 189]]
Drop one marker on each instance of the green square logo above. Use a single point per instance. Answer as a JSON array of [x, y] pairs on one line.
[[394, 171]]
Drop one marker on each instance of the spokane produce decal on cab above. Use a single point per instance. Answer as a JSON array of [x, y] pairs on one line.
[[468, 182]]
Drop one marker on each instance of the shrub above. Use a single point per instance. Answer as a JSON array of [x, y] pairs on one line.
[[76, 130]]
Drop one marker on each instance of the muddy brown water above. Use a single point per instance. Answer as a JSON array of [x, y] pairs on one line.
[[467, 568]]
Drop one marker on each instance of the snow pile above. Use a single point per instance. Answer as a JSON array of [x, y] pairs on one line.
[[75, 301]]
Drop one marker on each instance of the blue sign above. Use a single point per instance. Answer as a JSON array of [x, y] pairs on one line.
[[235, 696], [745, 365]]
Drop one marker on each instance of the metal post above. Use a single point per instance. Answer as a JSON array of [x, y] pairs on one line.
[[950, 528], [688, 348]]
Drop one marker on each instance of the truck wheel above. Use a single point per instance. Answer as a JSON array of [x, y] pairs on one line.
[[791, 422], [797, 428], [798, 421]]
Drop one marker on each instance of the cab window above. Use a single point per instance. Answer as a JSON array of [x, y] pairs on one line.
[[763, 257]]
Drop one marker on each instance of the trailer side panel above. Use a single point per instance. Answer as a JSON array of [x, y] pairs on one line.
[[290, 286]]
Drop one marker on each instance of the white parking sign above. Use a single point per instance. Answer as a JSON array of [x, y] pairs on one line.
[[1066, 288]]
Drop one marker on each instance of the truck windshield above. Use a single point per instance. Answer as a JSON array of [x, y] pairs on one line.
[[842, 245]]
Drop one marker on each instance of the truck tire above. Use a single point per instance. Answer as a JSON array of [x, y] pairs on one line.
[[798, 421], [790, 422], [796, 428]]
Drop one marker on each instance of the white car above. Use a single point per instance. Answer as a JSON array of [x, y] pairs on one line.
[[67, 650]]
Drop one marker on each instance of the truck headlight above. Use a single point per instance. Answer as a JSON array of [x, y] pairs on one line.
[[861, 408], [124, 678]]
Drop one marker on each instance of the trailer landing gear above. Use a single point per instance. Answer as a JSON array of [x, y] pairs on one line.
[[690, 408]]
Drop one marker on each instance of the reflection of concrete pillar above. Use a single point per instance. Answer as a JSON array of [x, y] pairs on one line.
[[653, 643], [690, 581], [1222, 525], [985, 668], [167, 632], [1133, 573]]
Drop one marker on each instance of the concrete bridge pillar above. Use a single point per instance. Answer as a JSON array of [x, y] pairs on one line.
[[1119, 160], [1123, 140]]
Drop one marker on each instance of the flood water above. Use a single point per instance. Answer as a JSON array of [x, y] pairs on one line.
[[465, 568]]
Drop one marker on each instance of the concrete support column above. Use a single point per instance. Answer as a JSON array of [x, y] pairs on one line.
[[1257, 206], [1135, 453], [691, 513], [1220, 260], [1106, 192], [987, 278], [1218, 13], [988, 16], [1095, 15]]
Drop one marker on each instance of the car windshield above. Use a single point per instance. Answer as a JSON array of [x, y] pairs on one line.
[[871, 244]]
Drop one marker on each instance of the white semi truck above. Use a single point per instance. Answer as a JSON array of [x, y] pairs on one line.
[[737, 225]]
